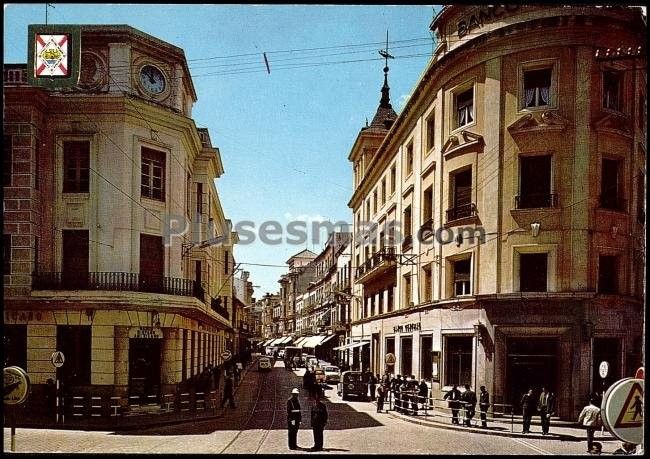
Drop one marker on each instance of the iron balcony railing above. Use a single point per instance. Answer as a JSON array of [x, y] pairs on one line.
[[385, 254], [535, 200], [463, 211], [215, 304], [117, 281]]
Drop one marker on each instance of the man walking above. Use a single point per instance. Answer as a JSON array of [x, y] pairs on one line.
[[590, 418], [293, 418], [318, 421], [227, 392], [527, 410], [546, 408], [381, 394], [469, 400], [484, 404], [454, 399], [372, 384]]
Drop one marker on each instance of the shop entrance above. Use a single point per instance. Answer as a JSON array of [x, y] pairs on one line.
[[144, 367], [532, 362]]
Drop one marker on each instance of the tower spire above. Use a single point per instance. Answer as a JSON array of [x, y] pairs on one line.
[[385, 90]]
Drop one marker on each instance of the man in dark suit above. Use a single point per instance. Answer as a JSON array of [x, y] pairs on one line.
[[527, 409], [454, 399], [318, 421], [469, 400], [293, 418], [546, 408]]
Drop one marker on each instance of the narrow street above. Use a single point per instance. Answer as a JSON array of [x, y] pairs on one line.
[[258, 426]]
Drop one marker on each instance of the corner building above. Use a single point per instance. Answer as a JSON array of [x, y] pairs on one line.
[[96, 178], [509, 196]]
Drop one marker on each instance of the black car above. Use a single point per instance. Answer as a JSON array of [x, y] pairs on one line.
[[355, 384]]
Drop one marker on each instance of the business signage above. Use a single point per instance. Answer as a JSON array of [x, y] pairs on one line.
[[478, 18], [53, 55], [406, 328], [145, 333]]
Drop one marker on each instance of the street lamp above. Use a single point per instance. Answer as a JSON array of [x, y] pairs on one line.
[[534, 228]]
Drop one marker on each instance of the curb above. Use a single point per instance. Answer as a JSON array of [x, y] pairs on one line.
[[134, 426], [551, 436]]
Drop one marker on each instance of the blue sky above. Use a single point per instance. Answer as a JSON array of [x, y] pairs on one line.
[[284, 137]]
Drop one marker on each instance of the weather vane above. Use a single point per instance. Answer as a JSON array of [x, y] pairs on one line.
[[384, 53]]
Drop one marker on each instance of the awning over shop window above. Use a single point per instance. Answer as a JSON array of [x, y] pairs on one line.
[[285, 340], [267, 342], [300, 340], [351, 346], [326, 338]]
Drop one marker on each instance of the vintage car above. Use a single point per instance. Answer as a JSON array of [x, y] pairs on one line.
[[355, 384], [264, 364], [332, 374]]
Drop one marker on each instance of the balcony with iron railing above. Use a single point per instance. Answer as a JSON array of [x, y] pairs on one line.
[[461, 212], [376, 265], [536, 200], [215, 304], [117, 281]]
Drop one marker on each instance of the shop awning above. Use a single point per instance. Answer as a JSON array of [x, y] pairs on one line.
[[267, 342], [299, 340], [307, 342], [326, 338], [275, 342], [351, 346], [285, 340]]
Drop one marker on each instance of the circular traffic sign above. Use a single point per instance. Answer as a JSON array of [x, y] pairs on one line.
[[640, 373], [16, 385], [603, 369], [57, 359], [622, 410], [226, 355], [390, 359]]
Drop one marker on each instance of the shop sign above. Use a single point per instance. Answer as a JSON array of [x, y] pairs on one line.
[[478, 19], [22, 316], [415, 326], [145, 333]]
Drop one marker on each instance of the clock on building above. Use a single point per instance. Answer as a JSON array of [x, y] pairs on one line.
[[152, 79]]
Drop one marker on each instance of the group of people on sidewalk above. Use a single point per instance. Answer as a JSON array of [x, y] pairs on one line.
[[544, 405], [466, 401]]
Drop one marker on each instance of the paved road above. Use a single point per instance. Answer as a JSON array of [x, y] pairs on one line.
[[258, 425]]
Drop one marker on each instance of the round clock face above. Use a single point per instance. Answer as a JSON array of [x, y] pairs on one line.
[[152, 79]]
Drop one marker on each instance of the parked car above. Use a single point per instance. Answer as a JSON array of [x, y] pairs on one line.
[[264, 364], [354, 383], [332, 374]]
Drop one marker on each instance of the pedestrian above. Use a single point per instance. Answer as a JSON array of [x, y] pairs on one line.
[[484, 404], [590, 418], [381, 394], [293, 418], [372, 384], [453, 396], [469, 402], [423, 393], [413, 394], [527, 409], [546, 408], [227, 392], [318, 421]]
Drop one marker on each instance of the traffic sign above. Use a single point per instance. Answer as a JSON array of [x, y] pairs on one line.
[[603, 369], [16, 385], [640, 373], [57, 359], [622, 409], [226, 355], [390, 359]]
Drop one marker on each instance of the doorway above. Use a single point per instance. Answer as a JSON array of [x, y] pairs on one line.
[[144, 366], [532, 363]]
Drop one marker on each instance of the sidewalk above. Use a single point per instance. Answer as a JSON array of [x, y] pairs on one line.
[[122, 423], [563, 430]]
